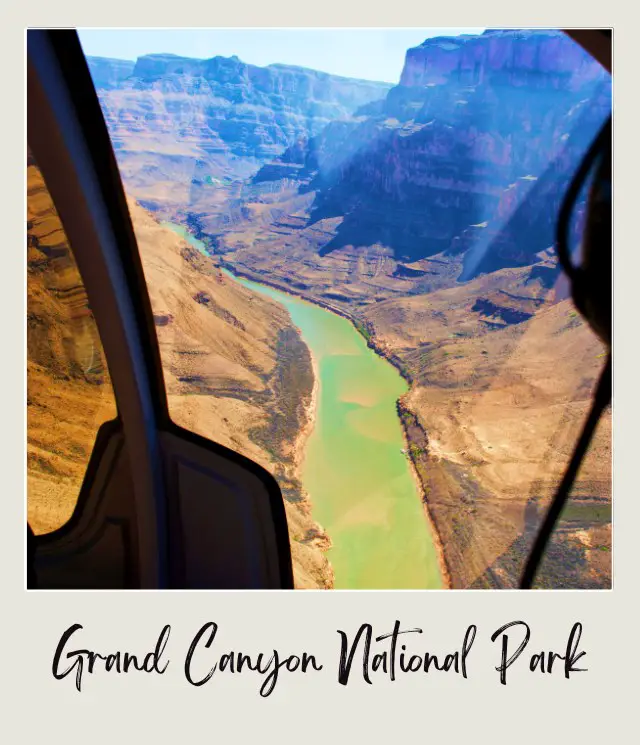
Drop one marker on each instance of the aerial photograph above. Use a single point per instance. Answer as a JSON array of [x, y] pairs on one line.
[[301, 311]]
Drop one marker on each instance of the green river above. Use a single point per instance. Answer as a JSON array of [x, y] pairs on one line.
[[358, 479]]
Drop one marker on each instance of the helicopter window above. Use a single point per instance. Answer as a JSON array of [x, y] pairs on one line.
[[422, 212], [69, 393]]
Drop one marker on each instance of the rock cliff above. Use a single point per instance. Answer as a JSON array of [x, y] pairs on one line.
[[184, 128], [467, 157]]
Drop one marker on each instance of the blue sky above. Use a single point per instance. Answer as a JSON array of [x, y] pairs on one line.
[[372, 54]]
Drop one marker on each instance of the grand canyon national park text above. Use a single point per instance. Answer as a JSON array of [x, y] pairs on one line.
[[364, 654]]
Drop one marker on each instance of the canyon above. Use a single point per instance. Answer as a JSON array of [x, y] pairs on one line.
[[425, 213]]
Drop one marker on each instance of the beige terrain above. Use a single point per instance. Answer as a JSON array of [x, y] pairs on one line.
[[271, 234], [68, 390], [498, 412]]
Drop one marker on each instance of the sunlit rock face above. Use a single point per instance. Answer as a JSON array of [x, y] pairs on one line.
[[468, 156], [527, 58]]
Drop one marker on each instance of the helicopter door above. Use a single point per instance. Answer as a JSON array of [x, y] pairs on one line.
[[159, 507]]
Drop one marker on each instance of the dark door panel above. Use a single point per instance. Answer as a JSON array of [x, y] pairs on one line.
[[227, 523], [97, 548]]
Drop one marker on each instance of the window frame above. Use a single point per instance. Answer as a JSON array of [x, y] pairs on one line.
[[68, 136]]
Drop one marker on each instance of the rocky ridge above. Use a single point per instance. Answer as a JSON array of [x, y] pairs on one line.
[[185, 128]]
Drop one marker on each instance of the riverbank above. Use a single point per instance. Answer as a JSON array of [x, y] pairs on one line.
[[310, 411], [260, 279], [317, 536], [410, 444]]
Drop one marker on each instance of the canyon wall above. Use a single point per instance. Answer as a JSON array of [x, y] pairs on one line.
[[498, 126], [185, 128], [467, 157]]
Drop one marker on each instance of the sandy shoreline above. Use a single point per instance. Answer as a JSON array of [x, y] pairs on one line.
[[299, 447], [322, 539], [437, 542]]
